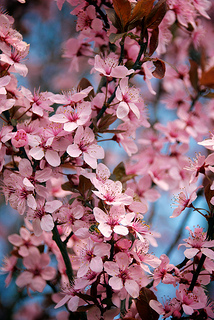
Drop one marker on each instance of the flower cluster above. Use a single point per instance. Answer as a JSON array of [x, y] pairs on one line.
[[85, 235]]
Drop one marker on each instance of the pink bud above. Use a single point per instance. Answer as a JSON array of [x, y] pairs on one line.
[[20, 139]]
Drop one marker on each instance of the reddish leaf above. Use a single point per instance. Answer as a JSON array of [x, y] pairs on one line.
[[141, 9], [84, 185], [83, 84], [105, 122], [208, 194], [193, 74], [157, 14], [160, 69], [143, 307], [153, 43], [119, 171], [114, 18], [123, 10], [207, 78], [115, 36]]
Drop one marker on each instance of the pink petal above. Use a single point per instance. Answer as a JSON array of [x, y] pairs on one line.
[[38, 284], [47, 223], [116, 283], [121, 230], [208, 252], [70, 126], [100, 215], [15, 239], [132, 288], [73, 303], [111, 268], [190, 253], [24, 279], [122, 110], [96, 264], [52, 206], [48, 273], [62, 301], [92, 162], [37, 153], [73, 150], [37, 227], [52, 158]]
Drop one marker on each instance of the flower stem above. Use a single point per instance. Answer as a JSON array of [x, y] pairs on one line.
[[62, 247]]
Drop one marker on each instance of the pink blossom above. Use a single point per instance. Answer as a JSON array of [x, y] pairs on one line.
[[41, 215], [25, 241], [141, 230], [171, 307], [9, 37], [191, 301], [34, 180], [130, 277], [19, 139], [109, 67], [70, 297], [72, 118], [38, 271], [39, 101], [184, 201], [9, 266], [126, 137], [14, 61], [114, 221], [127, 98], [102, 173], [140, 253], [43, 150], [84, 143], [88, 20], [71, 97], [197, 243], [164, 272], [200, 164], [18, 195], [91, 257], [111, 193]]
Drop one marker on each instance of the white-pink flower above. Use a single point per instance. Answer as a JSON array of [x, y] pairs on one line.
[[73, 117], [91, 257], [197, 243], [24, 241], [184, 201], [191, 301], [38, 271], [114, 221], [41, 217], [109, 67], [124, 275], [85, 143], [111, 193], [127, 97]]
